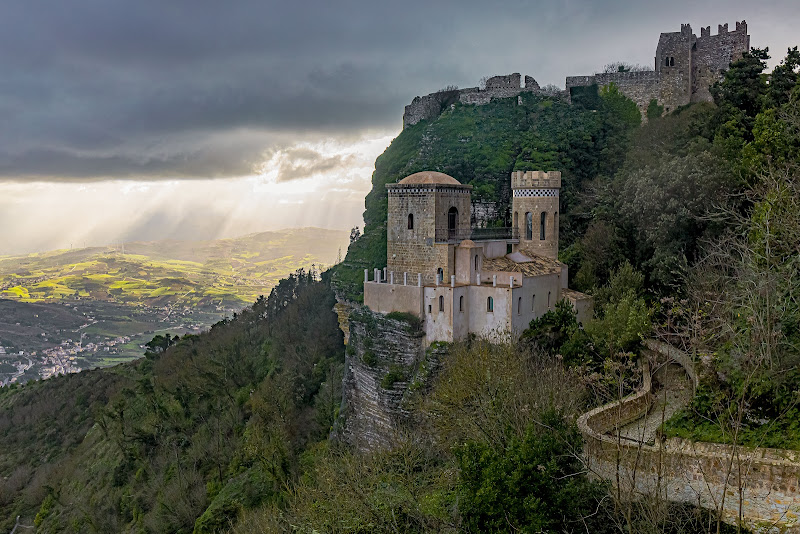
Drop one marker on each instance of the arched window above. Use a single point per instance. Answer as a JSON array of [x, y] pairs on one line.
[[440, 275], [461, 303], [529, 226], [476, 262], [666, 62], [489, 304], [671, 61], [441, 303], [410, 221], [542, 222], [452, 219], [533, 302], [519, 305]]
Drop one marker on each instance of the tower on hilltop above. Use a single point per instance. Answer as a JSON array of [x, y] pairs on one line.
[[535, 208], [427, 212]]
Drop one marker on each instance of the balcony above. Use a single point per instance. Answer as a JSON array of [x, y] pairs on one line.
[[447, 235]]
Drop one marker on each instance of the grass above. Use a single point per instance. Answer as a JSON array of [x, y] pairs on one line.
[[207, 274]]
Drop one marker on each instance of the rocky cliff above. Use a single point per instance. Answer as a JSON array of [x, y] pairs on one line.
[[386, 365]]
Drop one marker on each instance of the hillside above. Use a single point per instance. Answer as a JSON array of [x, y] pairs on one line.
[[684, 228], [67, 310], [481, 145], [213, 275]]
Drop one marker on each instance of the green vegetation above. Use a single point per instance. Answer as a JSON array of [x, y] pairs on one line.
[[228, 273], [185, 438], [685, 227], [481, 146]]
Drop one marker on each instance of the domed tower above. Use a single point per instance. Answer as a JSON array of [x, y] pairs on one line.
[[535, 210], [428, 214]]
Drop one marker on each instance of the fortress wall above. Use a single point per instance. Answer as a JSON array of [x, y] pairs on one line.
[[387, 298], [509, 81], [641, 87], [422, 108], [714, 54], [429, 106], [695, 473]]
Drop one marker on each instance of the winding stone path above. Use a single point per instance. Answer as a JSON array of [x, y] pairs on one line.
[[672, 390]]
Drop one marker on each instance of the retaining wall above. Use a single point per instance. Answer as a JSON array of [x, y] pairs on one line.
[[763, 484]]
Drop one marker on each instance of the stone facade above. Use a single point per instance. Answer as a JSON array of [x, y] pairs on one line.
[[460, 280], [425, 207], [685, 67], [534, 205], [430, 106]]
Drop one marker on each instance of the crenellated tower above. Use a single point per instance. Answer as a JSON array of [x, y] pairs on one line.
[[535, 210]]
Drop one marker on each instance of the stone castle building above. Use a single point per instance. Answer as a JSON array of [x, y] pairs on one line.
[[460, 280], [685, 68]]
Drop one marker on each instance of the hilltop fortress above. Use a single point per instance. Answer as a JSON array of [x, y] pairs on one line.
[[685, 68], [459, 280]]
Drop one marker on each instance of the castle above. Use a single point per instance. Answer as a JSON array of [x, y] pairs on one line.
[[459, 280], [686, 66]]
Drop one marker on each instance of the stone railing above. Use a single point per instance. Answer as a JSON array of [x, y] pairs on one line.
[[760, 485], [447, 235]]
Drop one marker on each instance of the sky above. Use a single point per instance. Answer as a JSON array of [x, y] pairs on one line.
[[195, 119]]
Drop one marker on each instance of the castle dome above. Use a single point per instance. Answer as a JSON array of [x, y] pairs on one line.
[[429, 177]]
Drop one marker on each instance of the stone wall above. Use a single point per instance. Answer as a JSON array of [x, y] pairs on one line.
[[713, 54], [765, 483], [536, 192], [685, 67], [484, 212], [430, 106], [374, 410], [422, 108], [424, 248]]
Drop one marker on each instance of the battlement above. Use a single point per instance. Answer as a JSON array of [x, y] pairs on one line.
[[506, 86], [535, 179], [509, 81]]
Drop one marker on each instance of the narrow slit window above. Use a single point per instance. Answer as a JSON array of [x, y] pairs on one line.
[[533, 302], [476, 262], [529, 226], [542, 224], [441, 303], [548, 300], [410, 221], [519, 305], [489, 304], [461, 303]]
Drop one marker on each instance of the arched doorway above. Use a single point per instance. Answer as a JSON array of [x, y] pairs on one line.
[[452, 222]]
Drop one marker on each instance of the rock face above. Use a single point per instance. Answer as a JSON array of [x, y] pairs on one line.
[[385, 365]]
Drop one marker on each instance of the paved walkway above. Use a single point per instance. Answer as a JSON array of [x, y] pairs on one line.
[[673, 390]]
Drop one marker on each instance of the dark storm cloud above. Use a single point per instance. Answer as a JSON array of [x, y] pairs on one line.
[[297, 163], [93, 89]]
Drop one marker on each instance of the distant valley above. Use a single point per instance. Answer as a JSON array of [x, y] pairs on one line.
[[67, 310]]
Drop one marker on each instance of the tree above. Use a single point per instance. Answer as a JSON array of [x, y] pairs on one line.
[[532, 485]]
